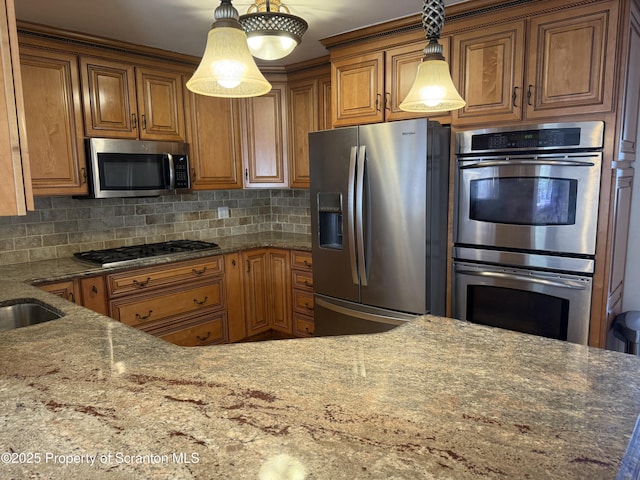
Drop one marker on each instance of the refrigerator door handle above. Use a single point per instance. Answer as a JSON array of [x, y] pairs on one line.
[[372, 317], [350, 216], [362, 158]]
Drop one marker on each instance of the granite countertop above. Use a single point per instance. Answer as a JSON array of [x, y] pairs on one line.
[[63, 268], [435, 398], [88, 397]]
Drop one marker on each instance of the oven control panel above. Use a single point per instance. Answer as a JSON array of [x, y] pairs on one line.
[[575, 135]]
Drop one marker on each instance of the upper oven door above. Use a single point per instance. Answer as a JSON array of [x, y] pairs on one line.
[[545, 202]]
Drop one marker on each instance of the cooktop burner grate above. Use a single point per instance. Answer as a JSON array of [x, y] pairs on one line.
[[119, 256]]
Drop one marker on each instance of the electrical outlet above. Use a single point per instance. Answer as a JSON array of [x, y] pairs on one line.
[[223, 212]]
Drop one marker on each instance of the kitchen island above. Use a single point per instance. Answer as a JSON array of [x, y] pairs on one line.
[[88, 397]]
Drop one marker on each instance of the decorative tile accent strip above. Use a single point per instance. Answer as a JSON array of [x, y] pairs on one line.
[[61, 226]]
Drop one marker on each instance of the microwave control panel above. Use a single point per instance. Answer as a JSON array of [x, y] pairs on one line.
[[181, 166]]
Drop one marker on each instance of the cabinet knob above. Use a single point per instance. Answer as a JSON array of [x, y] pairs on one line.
[[94, 289]]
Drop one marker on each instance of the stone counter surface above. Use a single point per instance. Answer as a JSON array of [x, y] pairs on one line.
[[436, 398], [63, 268]]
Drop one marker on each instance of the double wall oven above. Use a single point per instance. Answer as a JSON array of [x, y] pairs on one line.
[[525, 232]]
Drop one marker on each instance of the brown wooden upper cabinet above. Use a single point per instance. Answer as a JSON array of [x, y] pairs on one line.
[[265, 139], [566, 67], [309, 106], [126, 101], [51, 86], [215, 150], [369, 87]]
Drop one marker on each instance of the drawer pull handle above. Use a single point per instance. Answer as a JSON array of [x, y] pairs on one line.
[[203, 339], [308, 306], [307, 264], [195, 300], [309, 284], [199, 272], [94, 289], [144, 317], [142, 284], [310, 332]]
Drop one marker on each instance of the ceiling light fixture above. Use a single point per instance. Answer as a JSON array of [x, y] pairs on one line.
[[272, 32], [227, 68], [433, 89]]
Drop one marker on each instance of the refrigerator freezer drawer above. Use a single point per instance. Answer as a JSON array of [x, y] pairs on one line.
[[340, 317]]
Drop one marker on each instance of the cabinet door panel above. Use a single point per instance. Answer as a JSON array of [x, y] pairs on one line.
[[358, 84], [216, 155], [571, 62], [51, 86], [109, 98], [627, 149], [280, 289], [160, 105], [487, 70], [401, 67], [256, 281], [303, 118], [265, 141]]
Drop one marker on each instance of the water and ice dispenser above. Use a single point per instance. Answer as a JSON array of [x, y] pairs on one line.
[[330, 220]]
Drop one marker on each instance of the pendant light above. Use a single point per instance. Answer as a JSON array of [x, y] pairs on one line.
[[272, 32], [227, 68], [433, 89]]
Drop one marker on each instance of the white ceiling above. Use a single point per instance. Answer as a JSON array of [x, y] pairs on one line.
[[182, 25]]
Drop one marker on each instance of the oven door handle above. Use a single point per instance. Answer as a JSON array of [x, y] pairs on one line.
[[510, 276], [508, 163]]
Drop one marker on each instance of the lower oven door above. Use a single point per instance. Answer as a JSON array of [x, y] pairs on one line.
[[554, 305]]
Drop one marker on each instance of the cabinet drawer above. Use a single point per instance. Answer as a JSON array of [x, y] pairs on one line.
[[302, 325], [144, 309], [302, 280], [301, 260], [144, 279], [303, 302], [201, 330]]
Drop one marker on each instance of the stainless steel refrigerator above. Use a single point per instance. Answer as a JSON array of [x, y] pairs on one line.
[[379, 224]]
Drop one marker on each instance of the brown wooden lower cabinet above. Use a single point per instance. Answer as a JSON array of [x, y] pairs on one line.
[[250, 294], [199, 330]]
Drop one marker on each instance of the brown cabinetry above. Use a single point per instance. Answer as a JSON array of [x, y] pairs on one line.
[[302, 282], [309, 103], [183, 302], [265, 139], [215, 152], [15, 195], [89, 292], [566, 68], [126, 101], [51, 85], [267, 290], [369, 87]]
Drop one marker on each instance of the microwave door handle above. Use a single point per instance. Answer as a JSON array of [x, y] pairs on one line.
[[172, 172], [524, 278], [509, 163], [350, 214]]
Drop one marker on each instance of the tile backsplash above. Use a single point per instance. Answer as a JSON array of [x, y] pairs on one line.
[[60, 226]]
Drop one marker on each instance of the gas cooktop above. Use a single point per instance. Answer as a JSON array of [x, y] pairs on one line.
[[112, 257]]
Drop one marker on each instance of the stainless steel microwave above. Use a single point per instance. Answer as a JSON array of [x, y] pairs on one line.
[[134, 168]]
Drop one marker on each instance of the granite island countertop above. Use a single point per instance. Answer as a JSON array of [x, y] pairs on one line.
[[435, 398]]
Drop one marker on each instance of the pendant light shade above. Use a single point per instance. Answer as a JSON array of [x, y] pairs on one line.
[[433, 89], [272, 32], [227, 68]]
